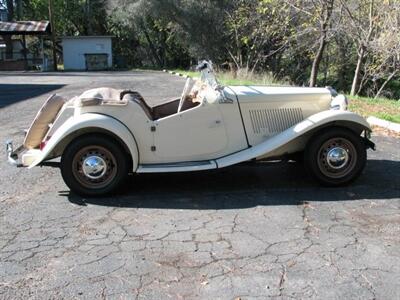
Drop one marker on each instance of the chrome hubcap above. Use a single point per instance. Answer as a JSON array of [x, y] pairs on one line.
[[94, 167], [337, 157]]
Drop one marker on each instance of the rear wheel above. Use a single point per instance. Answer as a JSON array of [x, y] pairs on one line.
[[335, 157], [94, 165]]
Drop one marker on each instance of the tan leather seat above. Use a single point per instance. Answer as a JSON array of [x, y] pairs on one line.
[[101, 96], [110, 96], [137, 98], [40, 125]]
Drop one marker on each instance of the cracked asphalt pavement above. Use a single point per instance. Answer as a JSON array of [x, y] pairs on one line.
[[243, 232]]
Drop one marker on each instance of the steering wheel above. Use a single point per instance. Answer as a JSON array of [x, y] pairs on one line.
[[186, 90]]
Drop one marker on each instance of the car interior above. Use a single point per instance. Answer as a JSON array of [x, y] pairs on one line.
[[189, 99], [109, 96]]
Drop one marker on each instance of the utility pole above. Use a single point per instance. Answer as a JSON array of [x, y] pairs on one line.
[[53, 34]]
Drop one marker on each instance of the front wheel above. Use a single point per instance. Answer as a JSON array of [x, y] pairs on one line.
[[94, 165], [335, 157]]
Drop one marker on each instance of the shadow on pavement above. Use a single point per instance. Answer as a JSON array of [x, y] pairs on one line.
[[247, 186], [13, 93]]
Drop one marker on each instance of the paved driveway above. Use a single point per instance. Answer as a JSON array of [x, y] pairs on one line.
[[241, 232]]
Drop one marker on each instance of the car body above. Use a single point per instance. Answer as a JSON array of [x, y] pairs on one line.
[[104, 134]]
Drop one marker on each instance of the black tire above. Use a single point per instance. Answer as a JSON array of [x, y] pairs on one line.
[[335, 156], [94, 165]]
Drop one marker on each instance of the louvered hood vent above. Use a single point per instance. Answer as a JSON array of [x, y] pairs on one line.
[[273, 121]]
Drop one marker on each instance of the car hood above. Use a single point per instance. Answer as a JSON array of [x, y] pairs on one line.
[[271, 93]]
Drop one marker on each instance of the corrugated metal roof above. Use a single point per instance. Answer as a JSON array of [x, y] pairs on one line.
[[25, 27]]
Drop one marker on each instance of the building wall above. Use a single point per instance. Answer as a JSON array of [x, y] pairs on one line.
[[74, 50]]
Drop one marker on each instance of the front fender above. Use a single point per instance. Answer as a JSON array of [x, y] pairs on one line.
[[92, 121], [326, 118]]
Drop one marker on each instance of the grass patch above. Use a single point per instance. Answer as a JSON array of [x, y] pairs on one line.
[[381, 108]]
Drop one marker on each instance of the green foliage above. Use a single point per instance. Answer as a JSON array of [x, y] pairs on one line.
[[72, 17], [388, 117], [227, 78], [245, 38]]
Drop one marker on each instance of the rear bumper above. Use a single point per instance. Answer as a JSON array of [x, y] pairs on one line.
[[21, 157], [12, 155]]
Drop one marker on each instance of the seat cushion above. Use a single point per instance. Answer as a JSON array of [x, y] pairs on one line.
[[40, 125], [101, 96], [137, 98]]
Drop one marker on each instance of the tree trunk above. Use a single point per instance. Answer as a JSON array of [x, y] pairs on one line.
[[326, 69], [362, 48], [53, 34], [317, 61], [385, 83], [342, 66], [357, 72], [152, 47], [10, 10], [233, 69], [88, 23], [19, 9], [8, 38], [327, 8]]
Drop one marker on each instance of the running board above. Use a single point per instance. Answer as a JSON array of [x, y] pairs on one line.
[[177, 167]]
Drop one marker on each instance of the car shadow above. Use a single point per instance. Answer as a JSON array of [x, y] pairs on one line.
[[247, 186], [13, 93]]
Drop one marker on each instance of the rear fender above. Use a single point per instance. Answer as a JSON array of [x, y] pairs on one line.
[[86, 123], [312, 124]]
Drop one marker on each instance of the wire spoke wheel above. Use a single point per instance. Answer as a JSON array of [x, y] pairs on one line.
[[337, 157], [94, 167]]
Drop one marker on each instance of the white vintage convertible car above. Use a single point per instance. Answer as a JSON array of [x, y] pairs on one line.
[[104, 134]]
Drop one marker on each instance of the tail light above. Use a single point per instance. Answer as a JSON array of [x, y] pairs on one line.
[[44, 142]]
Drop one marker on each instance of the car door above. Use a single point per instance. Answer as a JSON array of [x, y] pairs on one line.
[[192, 135]]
